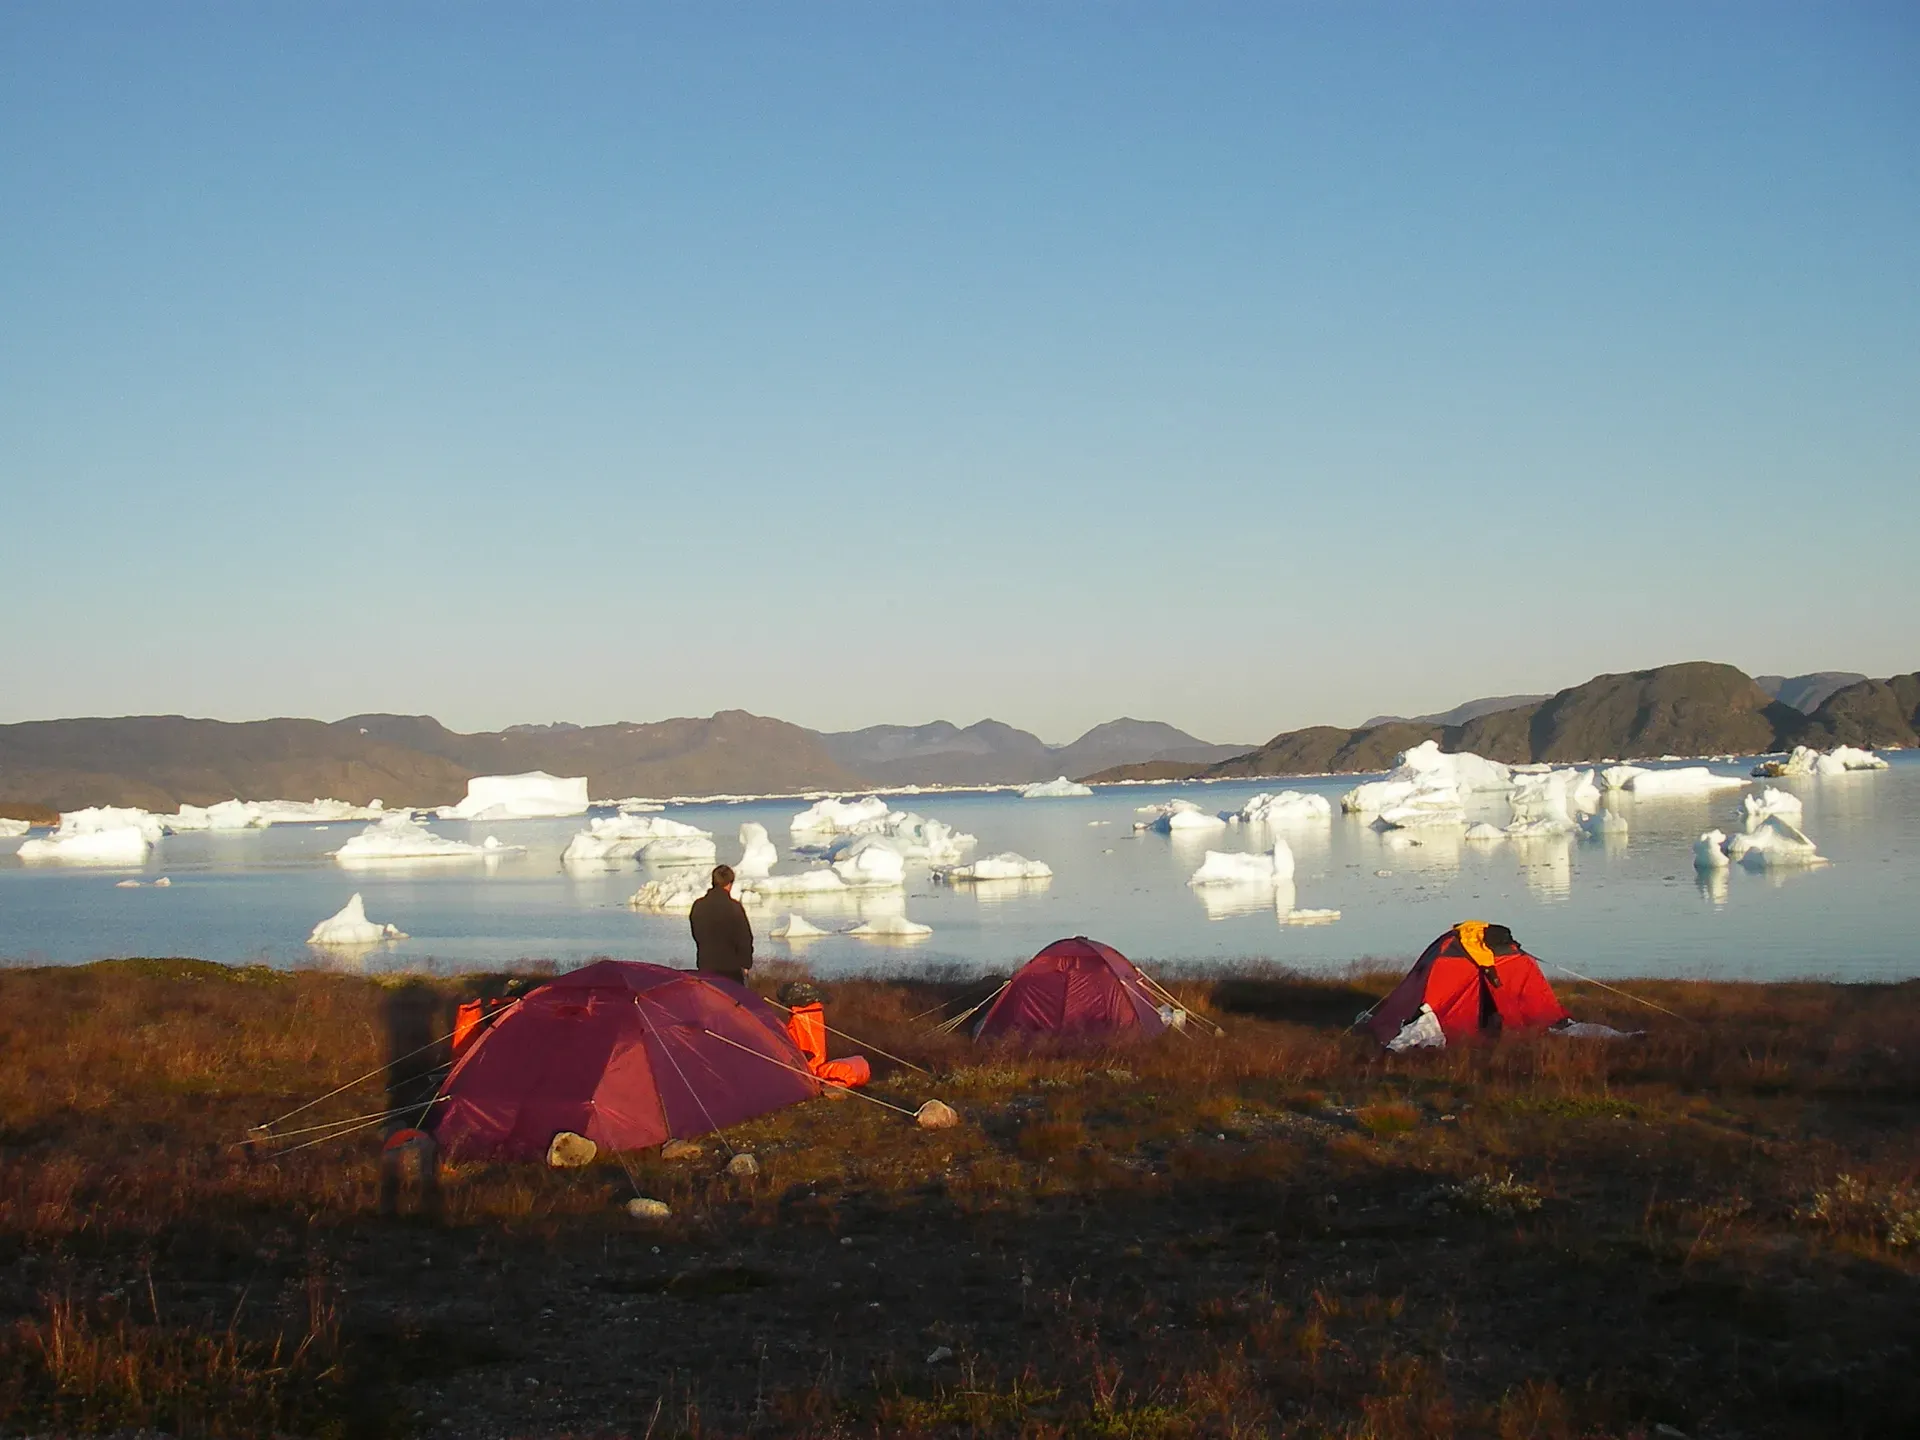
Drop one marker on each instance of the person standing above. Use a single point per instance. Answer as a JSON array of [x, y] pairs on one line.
[[722, 935]]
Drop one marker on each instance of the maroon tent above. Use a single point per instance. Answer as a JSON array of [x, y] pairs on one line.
[[628, 1055], [1076, 991]]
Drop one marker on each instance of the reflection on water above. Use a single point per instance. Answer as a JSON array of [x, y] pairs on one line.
[[1618, 904]]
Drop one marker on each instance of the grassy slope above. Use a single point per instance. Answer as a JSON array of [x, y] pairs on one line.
[[1284, 1232]]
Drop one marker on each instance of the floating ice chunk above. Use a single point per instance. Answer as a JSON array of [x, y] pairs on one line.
[[1769, 802], [1288, 807], [1224, 867], [351, 927], [1004, 866], [1603, 824], [1710, 851], [1483, 833], [257, 814], [1616, 777], [1309, 917], [797, 927], [100, 835], [127, 885], [1061, 789], [1806, 761], [530, 796], [632, 837], [1688, 780], [1424, 769], [872, 860], [399, 838], [830, 816], [1172, 815], [757, 853], [12, 829], [802, 882], [891, 927], [1433, 806], [675, 891], [1583, 791], [1541, 804], [162, 883], [635, 805], [919, 838], [1773, 841]]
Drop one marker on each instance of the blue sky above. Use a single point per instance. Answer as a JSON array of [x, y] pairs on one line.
[[1241, 365]]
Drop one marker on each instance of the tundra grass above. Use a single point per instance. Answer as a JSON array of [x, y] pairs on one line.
[[1714, 1230]]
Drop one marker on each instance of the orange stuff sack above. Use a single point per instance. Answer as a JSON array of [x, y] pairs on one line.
[[472, 1017], [807, 1028]]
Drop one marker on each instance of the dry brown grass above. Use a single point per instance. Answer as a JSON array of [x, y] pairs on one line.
[[1280, 1232]]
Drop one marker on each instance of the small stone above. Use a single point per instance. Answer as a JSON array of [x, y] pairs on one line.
[[939, 1353], [642, 1208], [680, 1150], [570, 1151], [743, 1165], [936, 1115]]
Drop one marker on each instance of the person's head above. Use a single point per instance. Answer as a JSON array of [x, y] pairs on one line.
[[723, 877]]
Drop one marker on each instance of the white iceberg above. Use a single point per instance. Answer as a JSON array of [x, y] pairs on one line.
[[891, 927], [258, 814], [675, 891], [1287, 807], [1583, 791], [399, 838], [351, 927], [1606, 823], [1224, 867], [99, 835], [1483, 833], [1806, 761], [1710, 851], [871, 861], [1769, 802], [632, 837], [1308, 917], [1773, 841], [1004, 866], [1615, 777], [801, 882], [830, 816], [1172, 815], [797, 927], [1542, 804], [757, 853], [1426, 768], [1433, 806], [534, 795], [1061, 789], [1687, 781], [12, 829]]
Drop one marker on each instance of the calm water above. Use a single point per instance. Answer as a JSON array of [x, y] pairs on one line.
[[1630, 907]]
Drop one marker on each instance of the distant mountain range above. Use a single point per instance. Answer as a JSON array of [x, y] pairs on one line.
[[161, 761], [1697, 708]]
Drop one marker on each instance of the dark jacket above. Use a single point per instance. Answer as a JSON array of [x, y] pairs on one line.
[[722, 938]]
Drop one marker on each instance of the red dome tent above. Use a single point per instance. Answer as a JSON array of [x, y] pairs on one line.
[[628, 1055], [1077, 991], [1472, 983]]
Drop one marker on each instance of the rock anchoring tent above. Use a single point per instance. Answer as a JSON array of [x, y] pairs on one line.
[[1473, 983], [1077, 992], [628, 1055]]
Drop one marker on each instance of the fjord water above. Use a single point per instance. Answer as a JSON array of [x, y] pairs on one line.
[[1631, 906]]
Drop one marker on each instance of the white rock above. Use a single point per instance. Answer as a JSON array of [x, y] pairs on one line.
[[757, 853], [891, 927], [530, 796], [644, 1207], [1061, 789], [1710, 851], [1686, 781], [1005, 866], [1774, 841], [351, 927], [399, 838]]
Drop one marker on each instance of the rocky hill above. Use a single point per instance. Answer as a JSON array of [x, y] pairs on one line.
[[990, 752], [1698, 708]]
